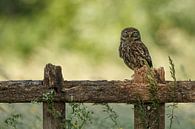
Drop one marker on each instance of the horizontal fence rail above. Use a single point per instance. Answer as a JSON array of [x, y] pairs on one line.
[[95, 91]]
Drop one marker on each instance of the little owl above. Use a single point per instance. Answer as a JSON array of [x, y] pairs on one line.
[[134, 53]]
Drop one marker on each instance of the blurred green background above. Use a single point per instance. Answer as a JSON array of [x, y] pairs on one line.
[[83, 37]]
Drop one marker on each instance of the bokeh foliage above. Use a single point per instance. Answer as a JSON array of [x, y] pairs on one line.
[[83, 36]]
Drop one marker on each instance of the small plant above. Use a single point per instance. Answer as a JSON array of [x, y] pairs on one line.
[[79, 116], [49, 97], [141, 109], [12, 121], [173, 87], [111, 114], [153, 87]]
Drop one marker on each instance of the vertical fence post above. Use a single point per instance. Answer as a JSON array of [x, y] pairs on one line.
[[55, 118], [149, 115], [153, 119]]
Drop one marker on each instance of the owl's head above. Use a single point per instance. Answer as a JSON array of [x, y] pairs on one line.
[[130, 34]]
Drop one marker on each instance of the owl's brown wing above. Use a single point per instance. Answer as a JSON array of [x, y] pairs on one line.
[[142, 51], [122, 48]]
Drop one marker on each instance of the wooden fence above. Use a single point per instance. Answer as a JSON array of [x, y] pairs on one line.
[[86, 91]]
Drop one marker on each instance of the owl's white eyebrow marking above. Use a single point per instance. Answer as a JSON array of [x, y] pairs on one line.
[[123, 38]]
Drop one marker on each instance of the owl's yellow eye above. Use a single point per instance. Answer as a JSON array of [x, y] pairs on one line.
[[135, 34], [125, 34]]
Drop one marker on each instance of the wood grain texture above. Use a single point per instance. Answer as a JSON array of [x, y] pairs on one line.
[[53, 79], [95, 91]]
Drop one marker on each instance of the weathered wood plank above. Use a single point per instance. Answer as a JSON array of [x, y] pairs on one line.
[[21, 91], [95, 91], [149, 115], [53, 112]]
